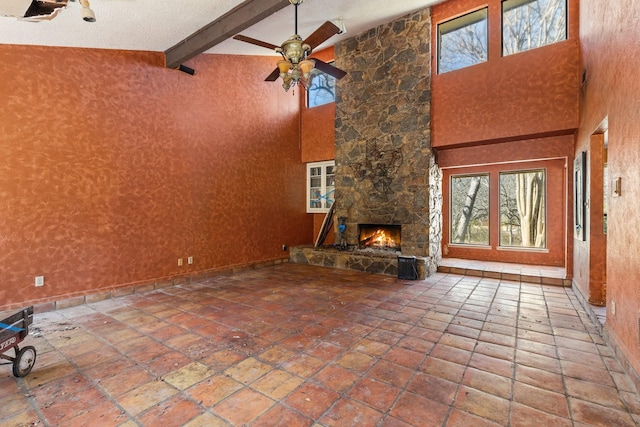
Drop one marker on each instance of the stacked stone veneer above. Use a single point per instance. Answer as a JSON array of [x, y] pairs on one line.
[[383, 138], [377, 262], [435, 213], [383, 147]]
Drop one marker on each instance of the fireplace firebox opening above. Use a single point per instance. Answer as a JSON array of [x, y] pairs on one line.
[[380, 236]]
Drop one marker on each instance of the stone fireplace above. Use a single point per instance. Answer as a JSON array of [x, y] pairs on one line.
[[383, 147]]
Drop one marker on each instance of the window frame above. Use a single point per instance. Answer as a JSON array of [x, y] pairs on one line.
[[450, 21], [544, 212], [502, 26], [315, 72], [451, 221], [324, 195]]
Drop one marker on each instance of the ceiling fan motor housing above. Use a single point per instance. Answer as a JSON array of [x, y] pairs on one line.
[[294, 50]]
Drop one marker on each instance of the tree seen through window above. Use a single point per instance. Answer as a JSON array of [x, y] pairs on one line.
[[527, 24], [470, 209], [322, 90], [522, 209], [462, 41]]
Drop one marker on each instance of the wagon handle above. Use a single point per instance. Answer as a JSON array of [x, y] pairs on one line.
[[25, 331]]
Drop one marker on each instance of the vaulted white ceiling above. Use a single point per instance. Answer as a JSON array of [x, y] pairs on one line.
[[157, 25]]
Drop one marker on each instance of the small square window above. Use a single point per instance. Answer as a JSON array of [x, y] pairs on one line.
[[462, 41], [322, 90], [527, 24]]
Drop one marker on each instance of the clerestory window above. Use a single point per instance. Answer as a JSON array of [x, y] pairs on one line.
[[528, 24], [462, 41]]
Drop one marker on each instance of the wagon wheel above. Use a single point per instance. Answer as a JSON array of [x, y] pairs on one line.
[[24, 361]]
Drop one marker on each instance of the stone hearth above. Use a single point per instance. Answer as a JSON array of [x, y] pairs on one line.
[[367, 260]]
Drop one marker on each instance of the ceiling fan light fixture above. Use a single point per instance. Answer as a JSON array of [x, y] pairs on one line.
[[287, 82], [307, 82], [306, 66], [284, 67]]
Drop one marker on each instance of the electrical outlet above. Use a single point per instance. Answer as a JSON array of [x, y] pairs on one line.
[[179, 262], [190, 260], [613, 308], [284, 247], [39, 281]]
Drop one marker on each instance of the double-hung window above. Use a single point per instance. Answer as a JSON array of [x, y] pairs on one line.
[[320, 186]]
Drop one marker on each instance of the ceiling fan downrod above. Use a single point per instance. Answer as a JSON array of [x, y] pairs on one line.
[[296, 3]]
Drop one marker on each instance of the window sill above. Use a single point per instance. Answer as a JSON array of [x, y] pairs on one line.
[[469, 246], [520, 249]]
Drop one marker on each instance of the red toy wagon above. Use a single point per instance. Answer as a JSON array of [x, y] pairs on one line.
[[13, 330]]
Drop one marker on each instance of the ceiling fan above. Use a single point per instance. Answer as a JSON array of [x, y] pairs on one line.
[[296, 66]]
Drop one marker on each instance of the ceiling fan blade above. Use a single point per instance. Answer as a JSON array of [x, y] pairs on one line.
[[330, 69], [255, 41], [322, 34], [273, 76]]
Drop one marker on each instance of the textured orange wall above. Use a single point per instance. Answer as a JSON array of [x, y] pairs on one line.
[[318, 124], [549, 153], [533, 93], [517, 151], [114, 166], [319, 138], [609, 35], [318, 133]]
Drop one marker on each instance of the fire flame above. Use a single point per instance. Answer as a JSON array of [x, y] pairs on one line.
[[380, 238]]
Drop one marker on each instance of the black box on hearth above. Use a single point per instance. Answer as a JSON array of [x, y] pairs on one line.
[[407, 267]]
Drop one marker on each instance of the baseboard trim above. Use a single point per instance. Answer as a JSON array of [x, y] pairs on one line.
[[95, 295]]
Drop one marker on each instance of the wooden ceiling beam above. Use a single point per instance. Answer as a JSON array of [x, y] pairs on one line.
[[231, 23]]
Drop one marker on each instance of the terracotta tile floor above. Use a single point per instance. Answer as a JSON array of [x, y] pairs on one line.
[[296, 345]]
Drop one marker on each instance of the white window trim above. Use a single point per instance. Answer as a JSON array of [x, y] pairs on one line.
[[323, 189]]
